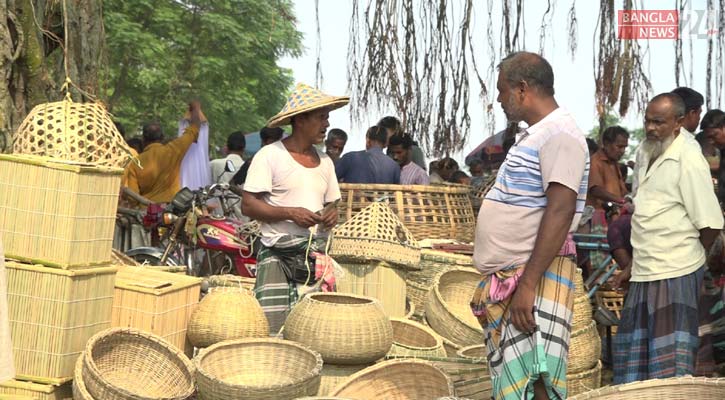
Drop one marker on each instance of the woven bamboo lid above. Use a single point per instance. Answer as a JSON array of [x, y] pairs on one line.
[[376, 233]]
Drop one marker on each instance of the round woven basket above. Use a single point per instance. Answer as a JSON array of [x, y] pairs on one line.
[[79, 386], [450, 348], [260, 369], [448, 309], [397, 380], [413, 339], [229, 280], [435, 212], [585, 348], [582, 315], [344, 328], [584, 381], [409, 309], [226, 313], [474, 353], [418, 295], [122, 363], [333, 375], [684, 387], [579, 289]]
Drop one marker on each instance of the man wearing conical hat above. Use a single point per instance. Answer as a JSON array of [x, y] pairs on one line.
[[291, 189]]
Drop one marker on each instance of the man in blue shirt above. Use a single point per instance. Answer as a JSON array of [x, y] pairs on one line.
[[371, 165]]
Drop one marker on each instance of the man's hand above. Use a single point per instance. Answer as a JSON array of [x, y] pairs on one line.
[[623, 278], [329, 217], [195, 110], [303, 217], [521, 308]]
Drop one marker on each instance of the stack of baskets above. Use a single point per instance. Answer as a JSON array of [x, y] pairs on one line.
[[685, 387], [584, 370], [448, 308]]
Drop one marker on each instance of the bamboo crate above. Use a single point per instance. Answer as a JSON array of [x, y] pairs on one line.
[[437, 211], [53, 312], [379, 280], [57, 213], [22, 390], [157, 302]]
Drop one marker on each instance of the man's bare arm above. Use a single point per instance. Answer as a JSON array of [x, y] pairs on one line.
[[256, 208]]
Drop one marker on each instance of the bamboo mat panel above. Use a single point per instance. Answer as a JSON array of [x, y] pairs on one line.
[[22, 390], [377, 280]]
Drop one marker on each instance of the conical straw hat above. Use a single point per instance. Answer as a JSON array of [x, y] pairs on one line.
[[376, 233], [303, 99]]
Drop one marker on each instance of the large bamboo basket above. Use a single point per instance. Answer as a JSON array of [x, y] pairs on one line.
[[582, 313], [684, 387], [470, 376], [227, 313], [56, 213], [21, 390], [53, 312], [257, 369], [378, 280], [448, 309], [437, 212], [128, 364], [157, 302], [585, 349], [476, 353], [584, 381], [579, 289], [432, 263], [413, 339], [417, 295], [229, 280], [332, 375], [345, 329], [79, 385], [397, 380]]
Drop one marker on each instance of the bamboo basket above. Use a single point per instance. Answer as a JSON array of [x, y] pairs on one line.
[[414, 339], [227, 313], [345, 329], [612, 301], [579, 289], [333, 375], [451, 348], [582, 314], [397, 380], [684, 387], [418, 295], [434, 262], [57, 213], [53, 312], [470, 376], [585, 349], [448, 309], [157, 302], [409, 309], [79, 385], [257, 369], [438, 211], [14, 389], [124, 364], [584, 381], [476, 353], [378, 280], [229, 280]]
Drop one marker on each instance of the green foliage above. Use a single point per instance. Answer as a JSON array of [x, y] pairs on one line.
[[163, 53]]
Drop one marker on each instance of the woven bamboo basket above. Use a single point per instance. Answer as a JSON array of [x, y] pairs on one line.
[[413, 339], [612, 301], [434, 262], [451, 348], [345, 329], [409, 309], [118, 258], [439, 211], [579, 289], [55, 213], [582, 312], [333, 375], [124, 364], [79, 385], [14, 389], [229, 280], [483, 190], [477, 353], [80, 132], [53, 312], [259, 369], [418, 295], [375, 234], [448, 309], [684, 387], [379, 280], [584, 381], [227, 313], [397, 380], [157, 302], [585, 349]]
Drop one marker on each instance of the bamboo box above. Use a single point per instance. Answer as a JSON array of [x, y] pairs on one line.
[[376, 279], [22, 390], [57, 213], [53, 313], [157, 302]]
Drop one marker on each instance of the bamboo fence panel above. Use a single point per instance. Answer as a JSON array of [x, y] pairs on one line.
[[378, 280], [22, 390]]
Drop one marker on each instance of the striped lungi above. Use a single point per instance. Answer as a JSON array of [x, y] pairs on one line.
[[518, 359], [657, 335]]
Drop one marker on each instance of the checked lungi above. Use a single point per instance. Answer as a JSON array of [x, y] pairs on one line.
[[518, 359]]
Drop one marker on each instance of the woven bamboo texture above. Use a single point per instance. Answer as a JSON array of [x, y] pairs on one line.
[[375, 233], [124, 364], [413, 339], [80, 132], [448, 309], [57, 214], [224, 314], [53, 312], [579, 289], [450, 348], [483, 190], [582, 312], [79, 385], [584, 381], [439, 211], [476, 353], [257, 369], [417, 295], [434, 262], [612, 301], [397, 380], [333, 375], [409, 309], [14, 389], [118, 258], [344, 328], [229, 280], [157, 302], [585, 349], [684, 387], [378, 280]]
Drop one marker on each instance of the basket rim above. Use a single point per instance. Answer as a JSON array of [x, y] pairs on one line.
[[462, 350], [439, 296], [419, 326], [252, 341], [90, 364], [61, 164], [651, 383], [78, 381], [586, 373], [313, 297], [447, 188], [592, 326]]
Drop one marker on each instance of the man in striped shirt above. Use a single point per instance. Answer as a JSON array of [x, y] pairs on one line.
[[400, 148], [525, 299]]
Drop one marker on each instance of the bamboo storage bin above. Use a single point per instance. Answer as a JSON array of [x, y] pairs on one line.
[[379, 280], [53, 312], [57, 213], [21, 390], [157, 302]]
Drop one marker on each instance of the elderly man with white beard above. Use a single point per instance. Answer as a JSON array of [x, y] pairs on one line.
[[675, 221]]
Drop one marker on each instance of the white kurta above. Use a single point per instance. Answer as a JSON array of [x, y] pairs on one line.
[[195, 170]]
